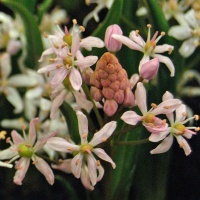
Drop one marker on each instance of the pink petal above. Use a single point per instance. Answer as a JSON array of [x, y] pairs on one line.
[[62, 145], [32, 131], [104, 133], [21, 171], [183, 144], [137, 38], [46, 53], [65, 166], [17, 138], [76, 165], [48, 68], [44, 168], [140, 95], [180, 113], [156, 137], [85, 179]]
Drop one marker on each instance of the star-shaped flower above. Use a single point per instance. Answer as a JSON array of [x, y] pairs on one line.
[[84, 161]]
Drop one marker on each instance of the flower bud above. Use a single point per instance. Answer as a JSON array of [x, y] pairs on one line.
[[149, 69], [110, 107], [112, 44]]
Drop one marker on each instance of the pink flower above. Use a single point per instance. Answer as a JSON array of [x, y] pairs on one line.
[[84, 165], [67, 46], [25, 149], [177, 130], [149, 48], [149, 119]]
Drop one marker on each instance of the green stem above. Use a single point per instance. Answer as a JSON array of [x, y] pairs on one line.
[[96, 111], [136, 142], [129, 23]]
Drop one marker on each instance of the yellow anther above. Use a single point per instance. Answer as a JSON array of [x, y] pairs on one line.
[[184, 114], [98, 163], [82, 28], [60, 160], [166, 107], [45, 35], [74, 21], [197, 129], [196, 117], [3, 135], [69, 54], [162, 33], [59, 65], [153, 105], [52, 60], [23, 127], [164, 121], [148, 25], [70, 149], [104, 139], [77, 162], [84, 135], [64, 45], [170, 50], [137, 33]]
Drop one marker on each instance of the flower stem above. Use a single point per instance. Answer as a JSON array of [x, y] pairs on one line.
[[96, 111], [136, 142]]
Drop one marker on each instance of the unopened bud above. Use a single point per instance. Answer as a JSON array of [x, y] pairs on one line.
[[112, 44], [129, 99], [110, 107], [86, 74], [149, 69], [96, 94]]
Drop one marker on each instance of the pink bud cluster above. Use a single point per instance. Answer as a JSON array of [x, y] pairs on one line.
[[110, 84]]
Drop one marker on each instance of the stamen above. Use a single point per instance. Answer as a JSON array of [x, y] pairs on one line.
[[23, 127], [104, 139], [164, 121], [137, 33], [52, 60], [98, 163], [166, 107], [196, 117], [34, 162], [59, 65], [45, 35], [64, 45], [69, 54], [60, 160], [70, 149], [149, 26], [2, 135], [67, 66], [82, 28], [197, 129], [77, 161], [8, 140], [84, 135], [170, 50], [153, 105], [74, 21], [162, 33], [184, 114]]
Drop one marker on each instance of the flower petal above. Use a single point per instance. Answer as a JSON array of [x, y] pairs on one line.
[[104, 133], [183, 144], [92, 169], [187, 48], [76, 165], [131, 117], [65, 166], [32, 131], [75, 79], [22, 167], [104, 156], [44, 168], [163, 146], [156, 137]]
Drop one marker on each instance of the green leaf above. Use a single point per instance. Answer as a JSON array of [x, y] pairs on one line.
[[72, 122], [125, 158], [33, 36], [29, 5]]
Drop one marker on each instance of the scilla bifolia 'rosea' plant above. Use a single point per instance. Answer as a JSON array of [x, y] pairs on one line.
[[110, 87]]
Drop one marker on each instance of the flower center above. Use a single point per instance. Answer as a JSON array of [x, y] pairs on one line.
[[150, 46], [149, 118], [68, 39], [25, 150], [86, 148], [67, 62], [180, 129]]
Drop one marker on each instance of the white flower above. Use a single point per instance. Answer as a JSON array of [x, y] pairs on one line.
[[190, 32], [149, 48], [94, 14], [177, 130], [84, 164], [8, 84]]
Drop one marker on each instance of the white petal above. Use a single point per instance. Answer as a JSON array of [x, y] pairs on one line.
[[83, 127], [14, 98], [156, 137], [104, 156], [167, 95], [46, 53], [3, 164], [140, 95], [86, 62], [62, 145], [163, 48], [131, 117], [183, 144], [180, 113], [187, 48], [167, 62], [22, 81], [92, 168], [137, 38], [163, 146], [75, 79], [128, 42], [76, 165], [180, 32], [90, 42], [104, 133]]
